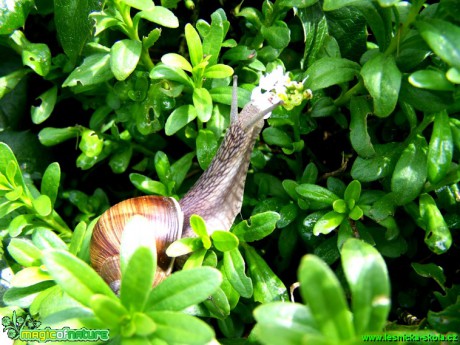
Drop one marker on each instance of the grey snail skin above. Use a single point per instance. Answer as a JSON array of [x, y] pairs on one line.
[[216, 196]]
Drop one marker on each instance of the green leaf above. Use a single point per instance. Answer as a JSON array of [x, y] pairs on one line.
[[44, 110], [162, 167], [259, 226], [14, 15], [196, 259], [431, 79], [288, 213], [368, 279], [180, 168], [388, 3], [198, 226], [267, 286], [234, 267], [218, 71], [356, 213], [38, 57], [160, 15], [203, 104], [427, 101], [42, 205], [50, 182], [110, 310], [19, 223], [7, 160], [103, 21], [24, 252], [352, 193], [91, 144], [80, 238], [171, 73], [238, 53], [359, 136], [315, 30], [137, 278], [277, 137], [443, 38], [184, 246], [297, 3], [377, 167], [440, 149], [218, 305], [147, 185], [177, 61], [46, 239], [453, 75], [177, 328], [316, 193], [252, 15], [73, 24], [74, 276], [330, 71], [195, 47], [179, 118], [330, 5], [24, 296], [95, 69], [29, 276], [9, 81], [142, 5], [379, 20], [321, 290], [124, 56], [224, 241], [224, 95], [52, 136], [446, 320], [410, 172], [206, 147], [438, 237], [14, 194], [184, 288], [431, 271], [213, 38], [340, 206], [286, 323], [328, 222], [119, 161], [382, 79], [152, 37], [277, 35]]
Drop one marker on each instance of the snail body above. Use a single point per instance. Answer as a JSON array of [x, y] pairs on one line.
[[216, 196]]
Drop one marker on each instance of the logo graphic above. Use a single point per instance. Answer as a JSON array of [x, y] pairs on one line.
[[25, 328], [15, 324]]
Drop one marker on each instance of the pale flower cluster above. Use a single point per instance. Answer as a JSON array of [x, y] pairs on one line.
[[277, 86]]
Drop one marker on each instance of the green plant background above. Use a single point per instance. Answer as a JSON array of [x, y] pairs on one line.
[[352, 195]]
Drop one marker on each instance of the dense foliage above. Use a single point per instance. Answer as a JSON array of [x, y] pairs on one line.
[[352, 196]]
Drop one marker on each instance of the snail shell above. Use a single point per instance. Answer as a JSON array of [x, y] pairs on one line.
[[161, 215]]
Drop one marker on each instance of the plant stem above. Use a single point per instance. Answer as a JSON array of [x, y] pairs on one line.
[[344, 98], [54, 220], [402, 32], [427, 119], [132, 32]]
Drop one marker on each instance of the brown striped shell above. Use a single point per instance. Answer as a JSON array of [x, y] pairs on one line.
[[160, 214]]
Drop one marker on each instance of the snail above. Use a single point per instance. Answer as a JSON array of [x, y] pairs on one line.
[[216, 196]]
